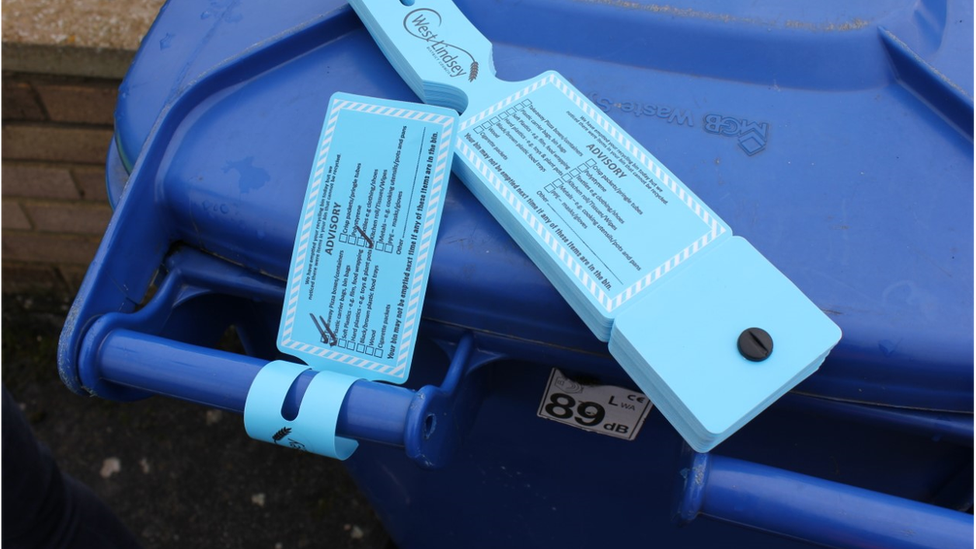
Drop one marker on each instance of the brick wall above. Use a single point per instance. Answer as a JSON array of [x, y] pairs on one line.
[[56, 133]]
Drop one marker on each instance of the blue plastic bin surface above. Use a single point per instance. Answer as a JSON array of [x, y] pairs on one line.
[[836, 138]]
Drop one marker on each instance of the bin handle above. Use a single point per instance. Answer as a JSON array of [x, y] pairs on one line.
[[427, 422], [812, 509], [125, 356]]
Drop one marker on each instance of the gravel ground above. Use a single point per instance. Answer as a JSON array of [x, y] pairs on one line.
[[178, 474]]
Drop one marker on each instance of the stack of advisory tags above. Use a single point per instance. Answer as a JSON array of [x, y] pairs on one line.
[[719, 342], [704, 325], [423, 26]]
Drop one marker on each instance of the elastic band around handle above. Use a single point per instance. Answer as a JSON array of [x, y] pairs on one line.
[[314, 428]]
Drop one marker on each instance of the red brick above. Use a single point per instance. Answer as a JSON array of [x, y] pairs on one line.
[[35, 181], [21, 278], [56, 143], [80, 103], [67, 217], [13, 216], [19, 102], [48, 248], [91, 183]]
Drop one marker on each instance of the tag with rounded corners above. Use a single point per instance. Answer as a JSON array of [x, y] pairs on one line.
[[366, 237]]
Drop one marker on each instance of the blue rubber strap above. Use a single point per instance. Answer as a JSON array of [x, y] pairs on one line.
[[314, 428]]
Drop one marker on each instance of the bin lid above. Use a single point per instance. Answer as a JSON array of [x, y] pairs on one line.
[[836, 138]]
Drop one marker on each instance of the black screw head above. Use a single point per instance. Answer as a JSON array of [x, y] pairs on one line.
[[755, 344]]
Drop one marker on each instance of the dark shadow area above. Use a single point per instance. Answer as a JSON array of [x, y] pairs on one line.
[[186, 476]]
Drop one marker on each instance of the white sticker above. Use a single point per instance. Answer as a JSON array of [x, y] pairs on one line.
[[605, 409]]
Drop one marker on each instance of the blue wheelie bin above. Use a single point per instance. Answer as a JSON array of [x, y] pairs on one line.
[[836, 137]]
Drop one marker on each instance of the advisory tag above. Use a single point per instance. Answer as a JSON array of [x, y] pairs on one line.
[[366, 237], [631, 248], [607, 217]]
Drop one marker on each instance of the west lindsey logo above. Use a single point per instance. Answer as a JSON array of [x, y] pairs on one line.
[[421, 23]]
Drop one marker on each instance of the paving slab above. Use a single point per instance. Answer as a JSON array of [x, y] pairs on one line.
[[95, 38]]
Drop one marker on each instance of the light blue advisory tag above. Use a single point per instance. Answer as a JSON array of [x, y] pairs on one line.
[[701, 321], [608, 216], [366, 237]]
